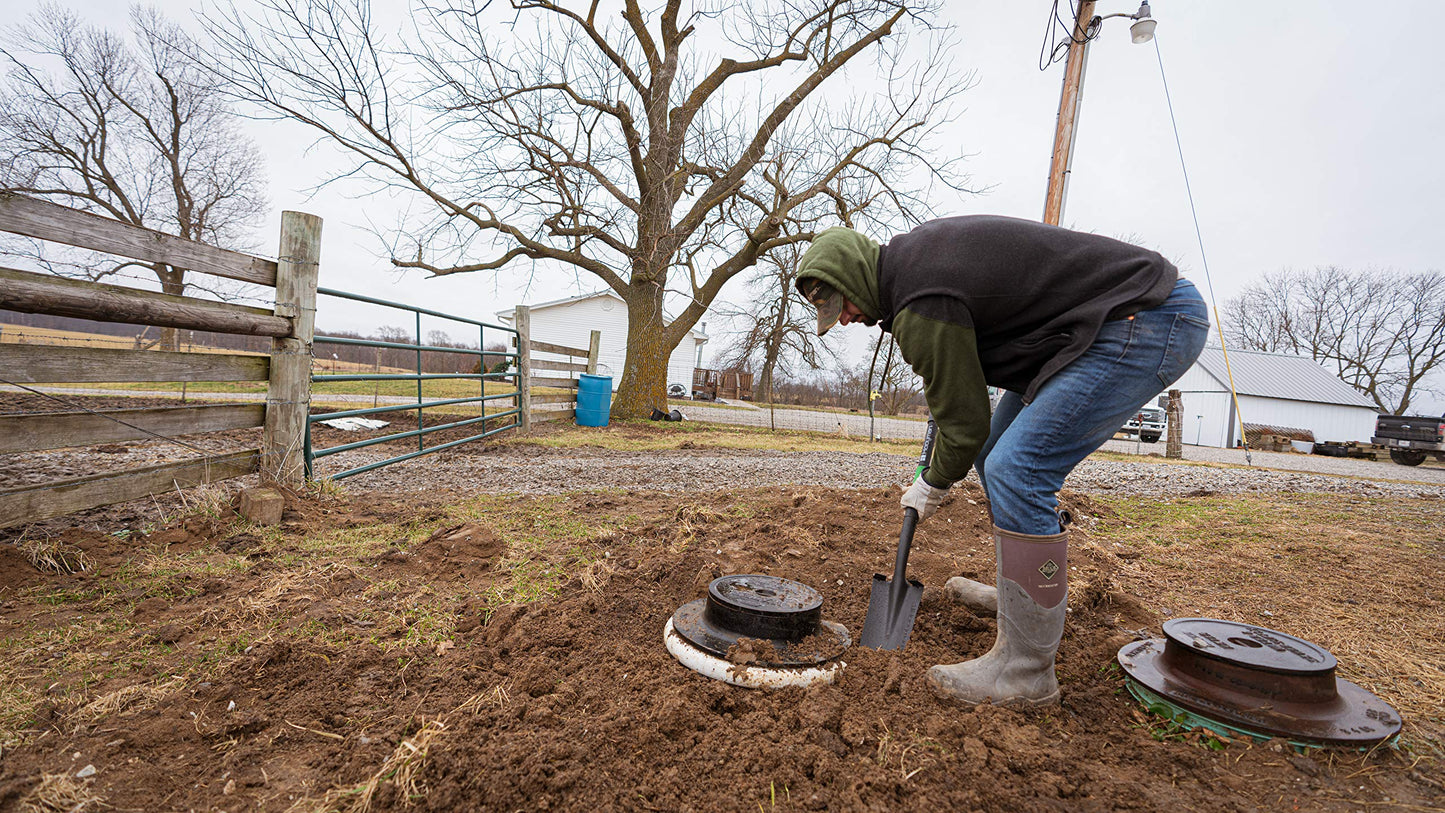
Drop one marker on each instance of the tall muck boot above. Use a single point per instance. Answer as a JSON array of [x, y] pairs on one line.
[[981, 598], [1032, 597]]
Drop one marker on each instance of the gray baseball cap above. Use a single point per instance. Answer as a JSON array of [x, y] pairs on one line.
[[827, 299]]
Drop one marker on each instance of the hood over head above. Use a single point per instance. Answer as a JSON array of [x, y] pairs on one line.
[[848, 261]]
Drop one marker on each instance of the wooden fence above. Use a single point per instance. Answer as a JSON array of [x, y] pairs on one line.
[[549, 359], [290, 324], [549, 369]]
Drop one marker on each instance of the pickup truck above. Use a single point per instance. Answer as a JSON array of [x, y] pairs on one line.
[[1148, 423], [1411, 438]]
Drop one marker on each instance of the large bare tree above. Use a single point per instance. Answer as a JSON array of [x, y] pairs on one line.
[[133, 130], [1383, 333], [662, 151]]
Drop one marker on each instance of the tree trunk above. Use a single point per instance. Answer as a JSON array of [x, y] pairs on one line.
[[770, 365], [172, 282], [644, 372]]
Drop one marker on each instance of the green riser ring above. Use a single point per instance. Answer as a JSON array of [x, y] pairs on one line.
[[1190, 720]]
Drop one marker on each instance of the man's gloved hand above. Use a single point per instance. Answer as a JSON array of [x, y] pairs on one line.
[[923, 498]]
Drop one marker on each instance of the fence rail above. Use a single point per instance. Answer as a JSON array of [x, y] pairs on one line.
[[55, 430], [26, 291], [54, 223], [289, 324], [286, 454]]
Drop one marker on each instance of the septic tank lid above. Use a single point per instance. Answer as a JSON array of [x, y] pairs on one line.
[[784, 612], [1257, 679]]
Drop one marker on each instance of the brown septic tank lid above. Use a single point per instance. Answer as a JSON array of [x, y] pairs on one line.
[[1261, 681], [785, 612]]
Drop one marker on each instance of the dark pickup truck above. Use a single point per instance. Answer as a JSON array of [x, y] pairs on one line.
[[1411, 438]]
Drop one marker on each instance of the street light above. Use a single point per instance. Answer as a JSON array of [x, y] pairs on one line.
[[1069, 99], [1143, 28]]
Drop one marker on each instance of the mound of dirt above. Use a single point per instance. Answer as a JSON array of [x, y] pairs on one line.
[[455, 553], [572, 702]]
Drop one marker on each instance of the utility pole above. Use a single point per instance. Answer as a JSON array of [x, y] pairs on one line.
[[1067, 125]]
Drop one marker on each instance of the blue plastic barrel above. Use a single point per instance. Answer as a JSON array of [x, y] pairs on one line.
[[594, 399]]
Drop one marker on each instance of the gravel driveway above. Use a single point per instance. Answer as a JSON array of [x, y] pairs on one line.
[[550, 471]]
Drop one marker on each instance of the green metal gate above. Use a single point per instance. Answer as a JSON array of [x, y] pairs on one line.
[[510, 418]]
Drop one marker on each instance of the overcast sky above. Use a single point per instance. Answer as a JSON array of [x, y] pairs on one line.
[[1310, 130]]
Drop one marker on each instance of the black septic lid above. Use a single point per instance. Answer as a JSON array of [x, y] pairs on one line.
[[1249, 646], [764, 607], [1257, 679]]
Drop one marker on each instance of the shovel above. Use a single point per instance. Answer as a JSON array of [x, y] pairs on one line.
[[892, 606]]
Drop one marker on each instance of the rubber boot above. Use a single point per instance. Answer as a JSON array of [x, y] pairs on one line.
[[981, 598], [1032, 598]]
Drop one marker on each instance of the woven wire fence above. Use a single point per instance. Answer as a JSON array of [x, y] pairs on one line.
[[845, 423]]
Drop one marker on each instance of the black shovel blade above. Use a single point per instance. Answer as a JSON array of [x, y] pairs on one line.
[[891, 612]]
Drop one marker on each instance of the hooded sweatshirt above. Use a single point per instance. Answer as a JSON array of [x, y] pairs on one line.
[[982, 300]]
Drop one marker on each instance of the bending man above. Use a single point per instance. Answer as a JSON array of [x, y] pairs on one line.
[[1079, 330]]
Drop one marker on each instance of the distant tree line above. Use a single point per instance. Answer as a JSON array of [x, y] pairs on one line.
[[1382, 332], [899, 391]]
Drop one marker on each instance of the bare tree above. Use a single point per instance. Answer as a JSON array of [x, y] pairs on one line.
[[615, 140], [134, 131], [1384, 333], [778, 329], [887, 374]]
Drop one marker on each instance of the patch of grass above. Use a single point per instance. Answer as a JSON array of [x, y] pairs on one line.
[[1329, 568], [655, 436], [527, 579], [62, 664]]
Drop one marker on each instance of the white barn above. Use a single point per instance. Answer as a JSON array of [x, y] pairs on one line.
[[570, 322], [1274, 389]]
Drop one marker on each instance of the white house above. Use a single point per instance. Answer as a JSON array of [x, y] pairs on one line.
[[570, 322], [1274, 389]]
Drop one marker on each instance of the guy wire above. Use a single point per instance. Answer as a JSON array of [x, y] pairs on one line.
[[1199, 235]]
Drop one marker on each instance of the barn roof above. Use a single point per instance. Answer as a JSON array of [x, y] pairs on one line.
[[1283, 376]]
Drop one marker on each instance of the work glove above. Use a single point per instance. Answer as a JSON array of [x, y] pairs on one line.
[[923, 498]]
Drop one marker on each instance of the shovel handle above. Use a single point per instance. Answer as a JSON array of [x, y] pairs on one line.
[[930, 435], [905, 542]]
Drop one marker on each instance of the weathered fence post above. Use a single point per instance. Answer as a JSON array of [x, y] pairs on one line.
[[288, 396], [594, 349], [522, 321], [1174, 447]]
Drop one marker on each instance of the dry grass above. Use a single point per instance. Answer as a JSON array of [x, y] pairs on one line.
[[51, 556], [642, 436], [209, 499], [402, 770], [286, 591], [498, 696], [686, 520], [130, 698], [60, 793], [596, 574]]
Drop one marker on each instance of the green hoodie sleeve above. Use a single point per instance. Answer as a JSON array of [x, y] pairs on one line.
[[945, 356]]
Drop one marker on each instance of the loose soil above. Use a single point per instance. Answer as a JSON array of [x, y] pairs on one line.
[[448, 651]]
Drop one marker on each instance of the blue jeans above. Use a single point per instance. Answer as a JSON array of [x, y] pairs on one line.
[[1031, 449]]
